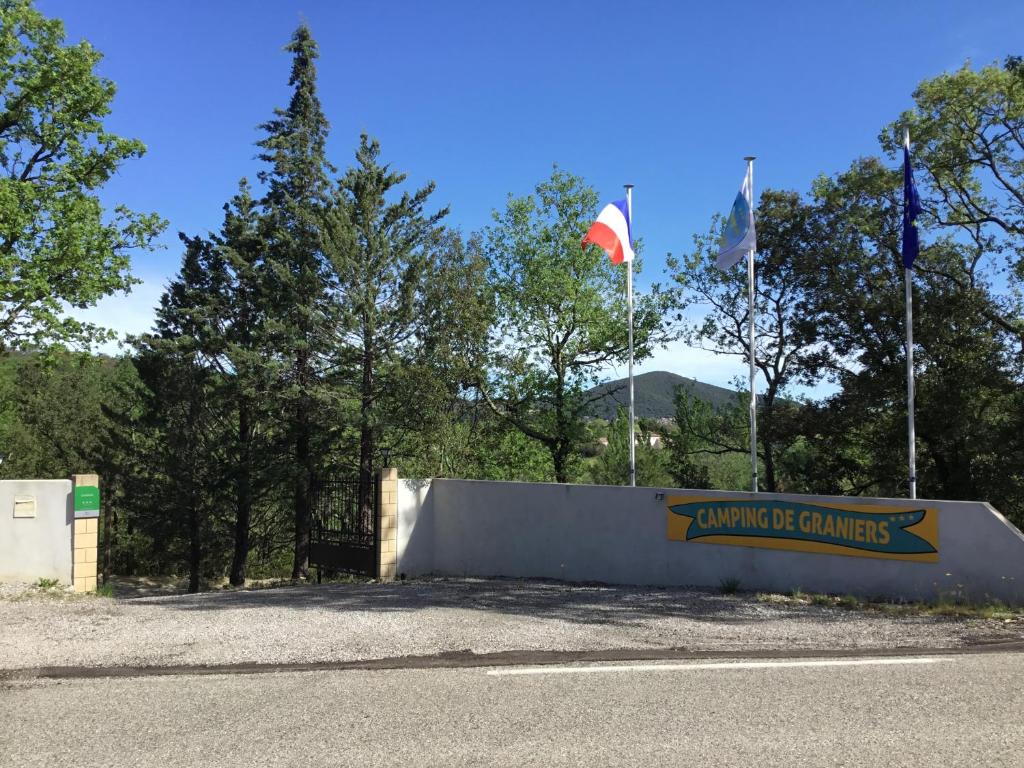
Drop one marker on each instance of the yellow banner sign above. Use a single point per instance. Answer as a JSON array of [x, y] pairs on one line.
[[905, 532]]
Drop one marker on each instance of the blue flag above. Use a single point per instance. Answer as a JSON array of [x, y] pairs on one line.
[[911, 208]]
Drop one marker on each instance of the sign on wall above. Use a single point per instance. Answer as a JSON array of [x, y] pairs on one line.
[[87, 501], [858, 530]]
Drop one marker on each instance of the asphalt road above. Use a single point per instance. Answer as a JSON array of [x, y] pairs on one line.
[[928, 711]]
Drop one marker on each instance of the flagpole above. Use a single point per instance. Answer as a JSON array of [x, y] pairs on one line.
[[909, 302], [911, 447], [629, 309], [750, 331]]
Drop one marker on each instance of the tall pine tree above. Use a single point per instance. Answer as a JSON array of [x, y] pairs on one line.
[[174, 364], [381, 252], [298, 189], [244, 359]]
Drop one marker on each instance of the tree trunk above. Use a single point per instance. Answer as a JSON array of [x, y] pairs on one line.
[[769, 465], [129, 558], [768, 439], [243, 499], [194, 551], [300, 567], [366, 436], [194, 483], [560, 450], [560, 458], [304, 462], [108, 524]]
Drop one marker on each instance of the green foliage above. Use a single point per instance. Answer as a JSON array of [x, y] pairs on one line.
[[58, 247], [967, 132], [477, 445], [560, 315], [709, 446], [691, 438], [331, 318], [786, 352], [831, 303], [131, 481], [967, 377], [319, 323], [611, 467], [105, 590], [51, 411], [438, 426], [967, 129], [302, 318], [955, 607], [182, 410], [384, 253]]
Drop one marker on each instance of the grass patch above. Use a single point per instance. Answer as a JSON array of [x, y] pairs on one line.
[[961, 610], [342, 578], [947, 606], [47, 584], [105, 590], [729, 586]]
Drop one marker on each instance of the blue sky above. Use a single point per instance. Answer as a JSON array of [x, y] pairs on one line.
[[483, 97]]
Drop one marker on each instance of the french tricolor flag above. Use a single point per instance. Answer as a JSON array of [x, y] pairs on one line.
[[611, 232]]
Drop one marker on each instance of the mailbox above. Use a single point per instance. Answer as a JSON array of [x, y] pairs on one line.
[[24, 506]]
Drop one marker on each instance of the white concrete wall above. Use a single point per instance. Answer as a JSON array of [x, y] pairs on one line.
[[39, 547], [415, 527], [618, 535]]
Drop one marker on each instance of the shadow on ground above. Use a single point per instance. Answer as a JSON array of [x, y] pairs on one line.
[[583, 604]]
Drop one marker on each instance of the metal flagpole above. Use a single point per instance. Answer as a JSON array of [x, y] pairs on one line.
[[629, 307], [750, 324], [911, 448], [909, 301]]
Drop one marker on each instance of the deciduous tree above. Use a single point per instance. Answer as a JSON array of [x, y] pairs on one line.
[[967, 129], [59, 248], [560, 315], [786, 351]]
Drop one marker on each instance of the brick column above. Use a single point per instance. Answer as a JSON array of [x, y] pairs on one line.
[[388, 524], [86, 494]]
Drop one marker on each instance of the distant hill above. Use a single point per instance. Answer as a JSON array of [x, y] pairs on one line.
[[654, 394]]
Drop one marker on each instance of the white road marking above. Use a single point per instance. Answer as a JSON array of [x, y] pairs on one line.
[[714, 665]]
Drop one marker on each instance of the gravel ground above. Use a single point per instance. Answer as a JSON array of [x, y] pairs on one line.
[[350, 622]]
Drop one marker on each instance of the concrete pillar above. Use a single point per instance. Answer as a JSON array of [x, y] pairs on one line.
[[86, 493], [387, 528]]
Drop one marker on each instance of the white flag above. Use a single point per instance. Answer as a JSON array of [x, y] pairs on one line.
[[738, 237]]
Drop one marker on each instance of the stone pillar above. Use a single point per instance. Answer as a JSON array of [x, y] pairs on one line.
[[86, 494], [387, 528]]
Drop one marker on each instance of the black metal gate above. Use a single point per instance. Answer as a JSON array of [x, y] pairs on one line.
[[344, 536]]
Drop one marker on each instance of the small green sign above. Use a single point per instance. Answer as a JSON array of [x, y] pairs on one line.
[[87, 498]]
